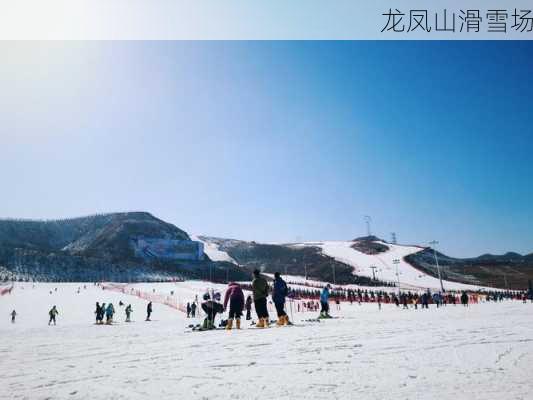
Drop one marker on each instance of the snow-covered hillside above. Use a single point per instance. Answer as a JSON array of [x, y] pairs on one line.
[[410, 277], [213, 251], [445, 353]]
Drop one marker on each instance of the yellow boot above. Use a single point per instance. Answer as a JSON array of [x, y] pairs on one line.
[[281, 321], [267, 322], [229, 325], [260, 323], [238, 323]]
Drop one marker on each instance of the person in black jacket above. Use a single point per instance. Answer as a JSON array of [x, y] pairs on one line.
[[99, 314], [53, 314], [148, 311], [211, 309]]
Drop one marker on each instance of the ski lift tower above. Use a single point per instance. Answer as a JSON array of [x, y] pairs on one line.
[[434, 243], [397, 262]]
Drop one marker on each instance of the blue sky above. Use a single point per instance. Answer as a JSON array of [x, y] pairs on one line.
[[277, 141]]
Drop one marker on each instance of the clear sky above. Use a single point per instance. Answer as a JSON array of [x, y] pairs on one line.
[[276, 141]]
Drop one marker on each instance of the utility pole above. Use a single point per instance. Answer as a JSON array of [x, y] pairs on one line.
[[434, 243], [305, 267], [505, 279], [393, 238], [368, 219], [397, 262], [373, 268]]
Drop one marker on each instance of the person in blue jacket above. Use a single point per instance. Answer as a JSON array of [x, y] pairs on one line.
[[109, 312], [279, 292], [324, 302]]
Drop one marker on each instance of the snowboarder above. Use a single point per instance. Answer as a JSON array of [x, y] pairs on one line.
[[193, 310], [128, 311], [279, 292], [324, 302], [148, 311], [188, 310], [53, 313], [248, 308], [235, 297], [211, 309], [13, 315], [260, 292], [109, 312]]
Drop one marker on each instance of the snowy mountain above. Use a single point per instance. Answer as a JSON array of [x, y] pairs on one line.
[[292, 259], [370, 260], [132, 246], [137, 246]]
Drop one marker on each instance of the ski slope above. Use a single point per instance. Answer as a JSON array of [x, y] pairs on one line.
[[410, 277], [213, 252], [480, 352]]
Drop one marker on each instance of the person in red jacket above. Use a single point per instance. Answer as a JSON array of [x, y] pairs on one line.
[[235, 297]]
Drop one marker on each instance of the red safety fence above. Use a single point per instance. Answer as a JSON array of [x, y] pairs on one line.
[[170, 301], [6, 290]]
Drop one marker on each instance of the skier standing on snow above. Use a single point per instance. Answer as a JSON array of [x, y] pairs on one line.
[[102, 313], [109, 312], [248, 308], [279, 292], [425, 300], [53, 313], [128, 311], [464, 299], [148, 311], [13, 315], [260, 292], [98, 313], [188, 310], [235, 297], [193, 310], [324, 302]]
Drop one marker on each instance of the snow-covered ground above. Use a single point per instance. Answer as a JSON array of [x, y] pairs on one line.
[[481, 352]]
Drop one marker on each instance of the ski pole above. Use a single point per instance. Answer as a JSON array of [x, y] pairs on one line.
[[291, 309]]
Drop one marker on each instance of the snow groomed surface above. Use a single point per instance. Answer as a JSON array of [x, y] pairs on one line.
[[480, 352]]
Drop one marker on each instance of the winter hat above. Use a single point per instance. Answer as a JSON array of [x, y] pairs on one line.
[[276, 275], [206, 296]]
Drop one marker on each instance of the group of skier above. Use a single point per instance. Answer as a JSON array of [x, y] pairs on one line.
[[235, 303], [109, 311]]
